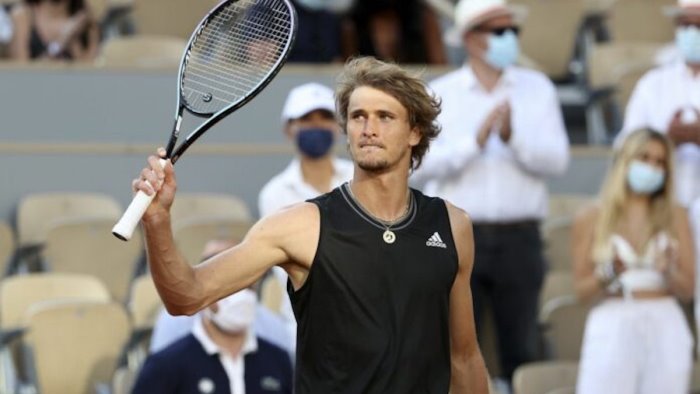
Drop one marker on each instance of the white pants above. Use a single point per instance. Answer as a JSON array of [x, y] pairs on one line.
[[636, 347]]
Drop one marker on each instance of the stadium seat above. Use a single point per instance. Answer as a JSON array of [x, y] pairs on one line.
[[92, 337], [549, 34], [182, 16], [144, 302], [88, 246], [640, 21], [191, 235], [271, 293], [556, 284], [557, 244], [144, 306], [7, 246], [37, 212], [567, 205], [18, 293], [208, 205], [142, 51], [563, 321], [544, 377]]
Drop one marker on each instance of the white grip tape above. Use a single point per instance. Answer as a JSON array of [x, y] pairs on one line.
[[124, 229]]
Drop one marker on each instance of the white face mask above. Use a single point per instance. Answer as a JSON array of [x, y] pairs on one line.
[[688, 42], [236, 312]]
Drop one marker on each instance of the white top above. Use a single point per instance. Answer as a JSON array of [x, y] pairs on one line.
[[656, 98], [233, 366], [288, 187], [501, 182], [641, 271]]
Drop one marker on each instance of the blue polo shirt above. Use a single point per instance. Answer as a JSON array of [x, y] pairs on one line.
[[186, 368]]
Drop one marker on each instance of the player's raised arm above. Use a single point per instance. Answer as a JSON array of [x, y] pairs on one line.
[[287, 238]]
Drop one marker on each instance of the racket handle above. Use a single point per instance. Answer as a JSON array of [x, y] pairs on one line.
[[124, 229]]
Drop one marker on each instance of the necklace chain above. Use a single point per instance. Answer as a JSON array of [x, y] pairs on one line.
[[388, 224]]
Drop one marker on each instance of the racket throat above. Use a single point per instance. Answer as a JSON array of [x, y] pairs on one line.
[[173, 138]]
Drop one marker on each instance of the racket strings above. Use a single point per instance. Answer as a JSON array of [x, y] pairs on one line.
[[235, 52]]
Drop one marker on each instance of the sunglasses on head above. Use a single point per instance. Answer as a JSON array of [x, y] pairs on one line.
[[499, 31]]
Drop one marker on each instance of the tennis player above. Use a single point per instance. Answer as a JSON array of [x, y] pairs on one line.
[[379, 273]]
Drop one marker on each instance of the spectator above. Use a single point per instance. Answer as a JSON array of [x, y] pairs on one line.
[[634, 251], [406, 31], [308, 119], [267, 325], [53, 29], [667, 99], [503, 135], [244, 363]]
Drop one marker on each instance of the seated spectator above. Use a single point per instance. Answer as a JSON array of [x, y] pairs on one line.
[[266, 325], [53, 29], [244, 363], [406, 31], [634, 251]]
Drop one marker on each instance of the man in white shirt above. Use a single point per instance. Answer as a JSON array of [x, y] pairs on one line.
[[503, 134], [667, 99], [308, 119]]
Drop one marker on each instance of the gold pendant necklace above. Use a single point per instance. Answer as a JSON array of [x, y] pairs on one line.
[[388, 236]]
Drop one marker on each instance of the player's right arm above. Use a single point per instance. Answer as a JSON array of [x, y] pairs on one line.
[[287, 238]]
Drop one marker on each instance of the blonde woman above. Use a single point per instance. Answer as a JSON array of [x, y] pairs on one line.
[[633, 251]]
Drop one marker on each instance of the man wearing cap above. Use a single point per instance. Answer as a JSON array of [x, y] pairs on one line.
[[667, 99], [308, 119], [503, 135]]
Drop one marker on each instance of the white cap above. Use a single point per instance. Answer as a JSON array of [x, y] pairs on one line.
[[684, 7], [307, 98], [471, 13]]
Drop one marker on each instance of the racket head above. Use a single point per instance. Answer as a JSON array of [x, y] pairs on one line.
[[236, 50]]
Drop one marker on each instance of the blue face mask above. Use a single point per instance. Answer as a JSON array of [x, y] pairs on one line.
[[688, 42], [503, 50], [314, 142], [644, 178]]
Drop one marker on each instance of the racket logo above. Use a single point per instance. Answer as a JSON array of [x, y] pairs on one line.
[[207, 97]]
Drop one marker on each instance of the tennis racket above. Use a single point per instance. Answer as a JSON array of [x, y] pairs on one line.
[[236, 50]]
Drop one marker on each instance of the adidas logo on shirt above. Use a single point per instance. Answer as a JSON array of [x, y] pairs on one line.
[[435, 241]]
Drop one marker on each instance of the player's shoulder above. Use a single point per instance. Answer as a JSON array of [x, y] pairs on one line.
[[459, 218]]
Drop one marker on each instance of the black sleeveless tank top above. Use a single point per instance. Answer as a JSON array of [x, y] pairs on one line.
[[373, 317]]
